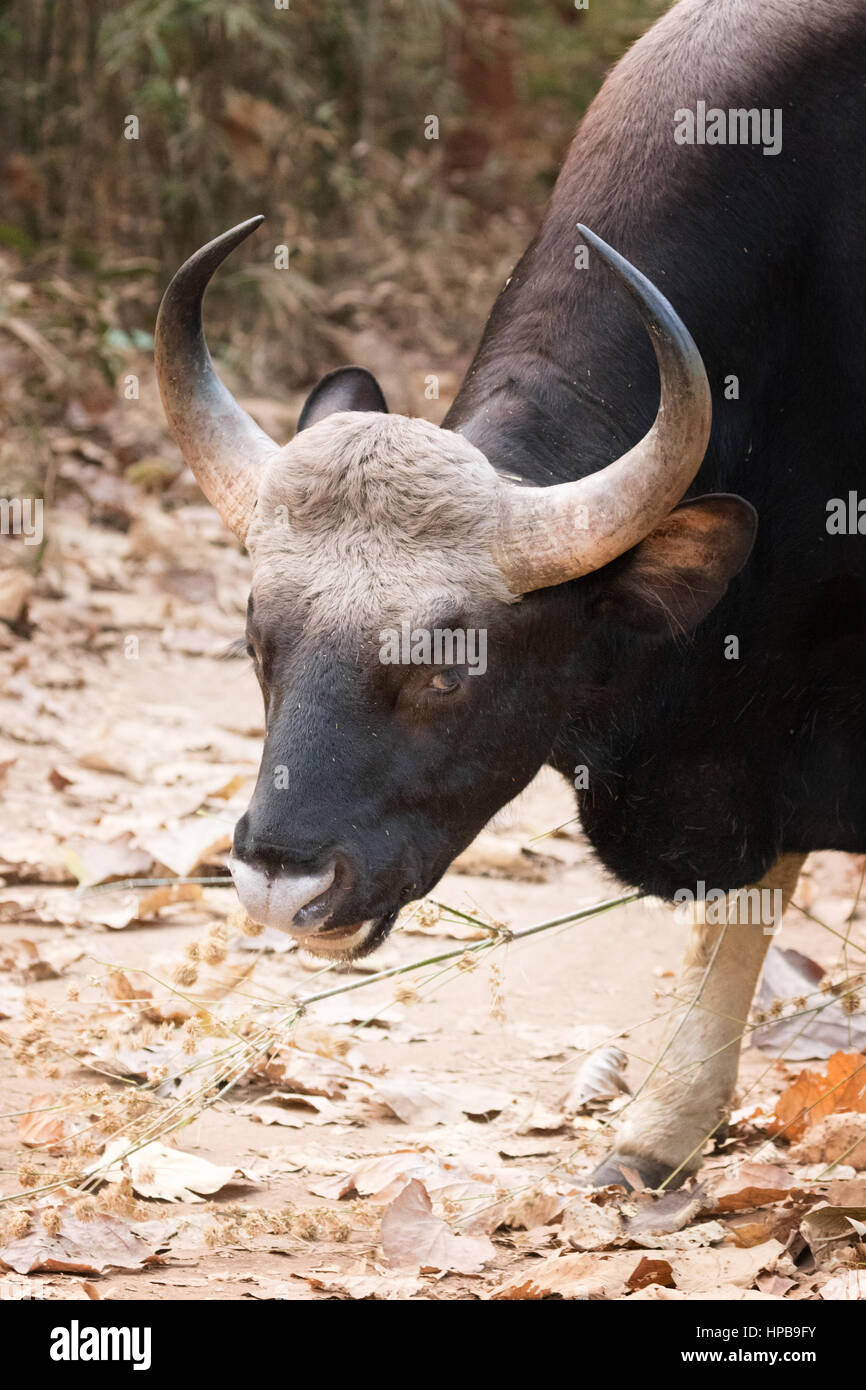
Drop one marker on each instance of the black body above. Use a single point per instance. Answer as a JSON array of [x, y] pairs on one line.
[[702, 766]]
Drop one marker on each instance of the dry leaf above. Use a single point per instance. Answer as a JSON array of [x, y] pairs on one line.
[[845, 1284], [537, 1207], [161, 1061], [423, 1103], [48, 1126], [673, 1211], [32, 857], [651, 1272], [543, 1120], [776, 1285], [119, 986], [813, 1095], [789, 975], [836, 1138], [190, 844], [95, 861], [753, 1185], [605, 1276], [753, 1227], [296, 1111], [569, 1276], [721, 1293], [304, 1072], [479, 1194], [167, 1174], [414, 1239], [587, 1226], [77, 1247], [377, 1285], [371, 1177], [152, 903], [827, 1226]]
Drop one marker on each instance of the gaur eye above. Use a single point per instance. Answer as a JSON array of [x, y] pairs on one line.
[[444, 681]]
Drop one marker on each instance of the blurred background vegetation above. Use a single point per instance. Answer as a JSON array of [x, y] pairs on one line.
[[315, 114]]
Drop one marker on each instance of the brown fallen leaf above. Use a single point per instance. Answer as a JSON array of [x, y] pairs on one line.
[[569, 1276], [479, 1194], [813, 1095], [183, 848], [152, 903], [95, 861], [543, 1120], [789, 975], [840, 1137], [294, 1110], [847, 1192], [16, 586], [376, 1284], [845, 1284], [752, 1185], [32, 857], [423, 1103], [414, 1239], [605, 1276], [651, 1272], [587, 1226], [74, 1246], [828, 1226], [537, 1207], [28, 961], [749, 1228], [303, 1072], [162, 1061], [669, 1213], [775, 1284], [49, 1125], [371, 1177], [721, 1293], [170, 1175]]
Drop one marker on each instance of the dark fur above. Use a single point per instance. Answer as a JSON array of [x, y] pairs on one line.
[[703, 767]]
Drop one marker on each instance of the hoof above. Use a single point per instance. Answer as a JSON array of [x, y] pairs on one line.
[[633, 1173]]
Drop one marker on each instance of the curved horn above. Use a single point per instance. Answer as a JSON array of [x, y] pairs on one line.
[[549, 535], [223, 446]]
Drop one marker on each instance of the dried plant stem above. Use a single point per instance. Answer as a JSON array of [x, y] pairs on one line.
[[250, 1049]]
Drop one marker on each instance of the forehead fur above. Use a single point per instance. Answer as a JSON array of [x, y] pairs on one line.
[[364, 519]]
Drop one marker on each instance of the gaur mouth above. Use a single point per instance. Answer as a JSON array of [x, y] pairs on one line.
[[348, 943]]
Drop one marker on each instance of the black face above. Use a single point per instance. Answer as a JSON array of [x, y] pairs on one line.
[[376, 774], [387, 770]]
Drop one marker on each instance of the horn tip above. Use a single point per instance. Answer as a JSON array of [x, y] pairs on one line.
[[243, 229]]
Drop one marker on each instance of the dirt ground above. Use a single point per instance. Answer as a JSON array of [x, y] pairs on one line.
[[128, 748]]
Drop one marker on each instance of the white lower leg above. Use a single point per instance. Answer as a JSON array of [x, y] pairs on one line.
[[687, 1095]]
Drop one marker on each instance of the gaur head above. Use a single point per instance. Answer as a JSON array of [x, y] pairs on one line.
[[369, 533]]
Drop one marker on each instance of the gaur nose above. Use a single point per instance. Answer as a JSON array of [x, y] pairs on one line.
[[276, 896]]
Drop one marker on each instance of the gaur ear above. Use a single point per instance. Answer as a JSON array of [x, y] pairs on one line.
[[348, 388], [672, 579]]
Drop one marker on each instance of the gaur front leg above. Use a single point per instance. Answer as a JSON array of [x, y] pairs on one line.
[[686, 1098]]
